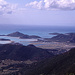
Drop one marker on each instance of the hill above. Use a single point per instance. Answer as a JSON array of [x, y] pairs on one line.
[[63, 64], [21, 35], [20, 52], [68, 37]]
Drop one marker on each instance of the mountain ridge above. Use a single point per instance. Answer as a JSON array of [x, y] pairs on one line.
[[20, 52]]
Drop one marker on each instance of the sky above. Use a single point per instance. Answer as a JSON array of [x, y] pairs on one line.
[[37, 12]]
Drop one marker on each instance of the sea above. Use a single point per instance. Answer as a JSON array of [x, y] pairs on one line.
[[42, 31]]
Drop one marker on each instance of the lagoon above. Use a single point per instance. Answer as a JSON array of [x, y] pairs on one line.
[[17, 40]]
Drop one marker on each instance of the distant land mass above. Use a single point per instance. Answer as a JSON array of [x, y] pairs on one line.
[[2, 39], [54, 33], [67, 37], [22, 36]]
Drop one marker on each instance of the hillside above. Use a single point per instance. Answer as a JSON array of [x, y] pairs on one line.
[[63, 64], [20, 52]]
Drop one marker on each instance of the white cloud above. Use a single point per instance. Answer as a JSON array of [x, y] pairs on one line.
[[6, 8], [36, 4], [53, 4]]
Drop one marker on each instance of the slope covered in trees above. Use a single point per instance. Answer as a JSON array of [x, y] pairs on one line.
[[63, 64], [20, 52]]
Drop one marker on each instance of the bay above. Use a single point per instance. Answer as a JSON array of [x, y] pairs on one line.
[[42, 31]]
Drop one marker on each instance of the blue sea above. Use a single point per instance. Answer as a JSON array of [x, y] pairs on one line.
[[42, 31]]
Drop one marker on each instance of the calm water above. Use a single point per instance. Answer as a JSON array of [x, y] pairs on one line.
[[33, 30], [16, 39], [42, 31]]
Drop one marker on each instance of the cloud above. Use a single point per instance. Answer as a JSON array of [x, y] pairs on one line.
[[36, 4], [6, 8], [53, 4]]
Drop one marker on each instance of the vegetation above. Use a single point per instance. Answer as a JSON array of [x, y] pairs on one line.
[[63, 64], [20, 52]]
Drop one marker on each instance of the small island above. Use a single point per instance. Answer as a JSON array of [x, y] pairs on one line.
[[54, 33], [2, 39]]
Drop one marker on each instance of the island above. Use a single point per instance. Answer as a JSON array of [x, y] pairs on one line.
[[23, 36], [54, 33], [2, 39]]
